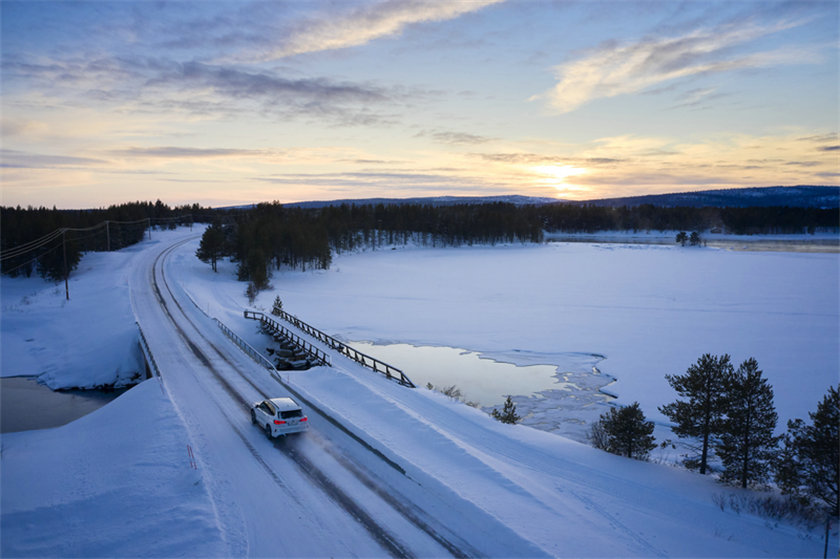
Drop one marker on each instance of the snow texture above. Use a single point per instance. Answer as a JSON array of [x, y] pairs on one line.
[[174, 468]]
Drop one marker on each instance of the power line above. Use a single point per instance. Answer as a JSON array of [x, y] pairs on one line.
[[31, 260], [31, 245], [36, 244]]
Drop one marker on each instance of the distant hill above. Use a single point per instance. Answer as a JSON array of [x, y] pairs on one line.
[[431, 200], [825, 197]]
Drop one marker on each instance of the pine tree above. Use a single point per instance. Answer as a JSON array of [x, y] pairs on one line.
[[624, 431], [254, 269], [60, 258], [212, 245], [508, 414], [701, 414], [277, 308], [809, 465], [251, 292], [747, 444], [694, 240]]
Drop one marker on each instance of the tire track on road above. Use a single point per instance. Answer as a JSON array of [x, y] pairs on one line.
[[396, 502], [389, 542]]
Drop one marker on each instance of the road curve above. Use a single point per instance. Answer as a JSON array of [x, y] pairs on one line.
[[205, 375]]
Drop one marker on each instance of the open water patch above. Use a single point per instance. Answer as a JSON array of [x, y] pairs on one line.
[[557, 392], [26, 404], [480, 379]]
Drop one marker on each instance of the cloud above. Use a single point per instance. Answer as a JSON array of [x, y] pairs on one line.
[[450, 137], [18, 127], [617, 69], [831, 137], [367, 23], [171, 152], [239, 84], [521, 158], [15, 159], [154, 84]]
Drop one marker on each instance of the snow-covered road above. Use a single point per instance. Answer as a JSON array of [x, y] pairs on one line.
[[267, 494]]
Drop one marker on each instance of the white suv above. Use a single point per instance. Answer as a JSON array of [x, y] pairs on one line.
[[279, 416]]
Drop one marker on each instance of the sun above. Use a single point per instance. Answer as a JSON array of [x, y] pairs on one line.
[[558, 177]]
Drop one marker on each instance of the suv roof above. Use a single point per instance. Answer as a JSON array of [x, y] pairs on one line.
[[284, 404]]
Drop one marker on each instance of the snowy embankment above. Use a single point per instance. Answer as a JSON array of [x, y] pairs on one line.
[[87, 341], [120, 482]]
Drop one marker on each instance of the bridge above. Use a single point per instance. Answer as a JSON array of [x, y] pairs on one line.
[[316, 354]]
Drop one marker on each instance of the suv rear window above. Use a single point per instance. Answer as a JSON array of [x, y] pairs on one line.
[[290, 413]]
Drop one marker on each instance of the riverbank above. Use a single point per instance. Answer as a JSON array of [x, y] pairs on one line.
[[822, 242]]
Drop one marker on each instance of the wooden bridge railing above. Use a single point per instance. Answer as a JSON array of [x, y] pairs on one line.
[[366, 360], [316, 353]]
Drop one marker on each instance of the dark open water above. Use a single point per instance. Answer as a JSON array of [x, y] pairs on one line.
[[25, 404]]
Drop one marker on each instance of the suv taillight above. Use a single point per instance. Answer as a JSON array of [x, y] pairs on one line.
[[278, 422]]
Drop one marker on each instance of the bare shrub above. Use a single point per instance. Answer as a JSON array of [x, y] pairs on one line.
[[598, 436], [772, 506]]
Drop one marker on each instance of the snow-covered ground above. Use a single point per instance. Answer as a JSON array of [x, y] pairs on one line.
[[121, 480]]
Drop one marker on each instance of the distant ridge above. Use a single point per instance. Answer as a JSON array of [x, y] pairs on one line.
[[430, 200], [802, 196], [825, 197]]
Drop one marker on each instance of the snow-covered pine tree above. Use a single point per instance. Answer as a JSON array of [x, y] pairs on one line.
[[508, 413], [277, 308]]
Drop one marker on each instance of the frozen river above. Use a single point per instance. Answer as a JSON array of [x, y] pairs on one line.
[[645, 310]]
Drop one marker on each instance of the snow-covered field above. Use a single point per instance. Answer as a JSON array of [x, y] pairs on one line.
[[119, 482]]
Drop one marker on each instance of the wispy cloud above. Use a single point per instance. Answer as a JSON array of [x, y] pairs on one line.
[[15, 159], [367, 23], [453, 137], [617, 69], [522, 158], [175, 152], [159, 84]]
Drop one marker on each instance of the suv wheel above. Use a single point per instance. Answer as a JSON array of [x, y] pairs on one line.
[[253, 417], [268, 431]]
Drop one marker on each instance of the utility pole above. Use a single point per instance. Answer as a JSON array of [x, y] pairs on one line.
[[64, 250], [149, 220], [108, 234], [827, 526]]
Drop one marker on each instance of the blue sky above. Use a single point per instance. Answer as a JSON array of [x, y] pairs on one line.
[[234, 102]]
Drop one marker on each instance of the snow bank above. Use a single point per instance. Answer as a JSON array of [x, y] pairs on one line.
[[111, 484], [88, 341]]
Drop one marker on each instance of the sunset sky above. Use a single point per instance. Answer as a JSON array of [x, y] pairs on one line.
[[224, 103]]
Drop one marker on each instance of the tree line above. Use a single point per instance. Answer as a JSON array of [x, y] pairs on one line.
[[730, 414], [269, 236], [740, 221], [31, 240]]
